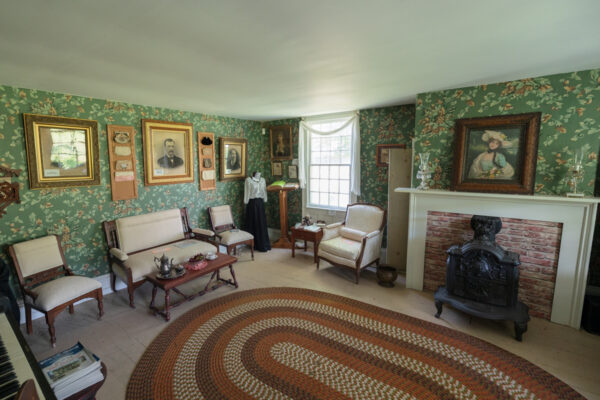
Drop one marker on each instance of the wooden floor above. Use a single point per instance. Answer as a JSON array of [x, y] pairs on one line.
[[120, 338]]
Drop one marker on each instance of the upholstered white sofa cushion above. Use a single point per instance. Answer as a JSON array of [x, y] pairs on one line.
[[62, 290], [142, 263], [341, 247], [38, 255], [232, 237], [352, 234], [149, 230]]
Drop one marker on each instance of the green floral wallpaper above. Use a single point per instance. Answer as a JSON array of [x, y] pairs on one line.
[[570, 107], [77, 213], [388, 125]]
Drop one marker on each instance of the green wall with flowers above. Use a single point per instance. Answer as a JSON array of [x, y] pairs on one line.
[[386, 125], [570, 107], [76, 214]]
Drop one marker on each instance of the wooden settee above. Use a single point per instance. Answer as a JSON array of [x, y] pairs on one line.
[[134, 241]]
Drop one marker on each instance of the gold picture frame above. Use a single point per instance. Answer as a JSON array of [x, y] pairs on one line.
[[61, 151], [496, 154], [276, 168], [233, 159], [280, 139], [168, 152]]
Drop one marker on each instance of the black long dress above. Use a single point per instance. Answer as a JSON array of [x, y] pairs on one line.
[[256, 224]]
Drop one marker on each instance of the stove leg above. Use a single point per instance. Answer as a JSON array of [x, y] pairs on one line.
[[438, 305], [520, 328]]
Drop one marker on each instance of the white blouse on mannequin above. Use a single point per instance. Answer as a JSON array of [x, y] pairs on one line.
[[255, 187]]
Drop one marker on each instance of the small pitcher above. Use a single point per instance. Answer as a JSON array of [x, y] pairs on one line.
[[163, 264]]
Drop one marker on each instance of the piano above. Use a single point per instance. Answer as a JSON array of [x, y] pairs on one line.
[[18, 366]]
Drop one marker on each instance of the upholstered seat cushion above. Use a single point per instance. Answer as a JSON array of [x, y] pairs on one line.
[[232, 237], [142, 263], [341, 247], [63, 290]]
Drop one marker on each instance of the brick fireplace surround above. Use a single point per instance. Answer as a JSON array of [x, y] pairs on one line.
[[536, 242], [554, 268]]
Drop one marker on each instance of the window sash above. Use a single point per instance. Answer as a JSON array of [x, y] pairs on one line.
[[328, 175]]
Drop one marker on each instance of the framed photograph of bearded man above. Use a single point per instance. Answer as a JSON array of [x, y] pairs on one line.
[[496, 154], [167, 152]]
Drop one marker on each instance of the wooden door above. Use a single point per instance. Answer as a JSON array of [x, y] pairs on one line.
[[399, 175]]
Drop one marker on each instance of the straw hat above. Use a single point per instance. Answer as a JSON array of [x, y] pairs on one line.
[[499, 136]]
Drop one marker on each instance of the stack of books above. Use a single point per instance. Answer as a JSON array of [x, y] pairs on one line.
[[72, 370]]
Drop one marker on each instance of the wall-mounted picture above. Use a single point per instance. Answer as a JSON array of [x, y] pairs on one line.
[[382, 153], [234, 156], [281, 142], [293, 171], [122, 137], [276, 168], [61, 152], [496, 154], [167, 152]]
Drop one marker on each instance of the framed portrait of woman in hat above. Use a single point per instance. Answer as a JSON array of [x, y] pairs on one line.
[[496, 154]]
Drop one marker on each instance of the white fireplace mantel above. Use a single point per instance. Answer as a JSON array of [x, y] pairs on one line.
[[577, 215]]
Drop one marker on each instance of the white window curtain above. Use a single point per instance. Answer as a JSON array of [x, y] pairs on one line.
[[306, 128]]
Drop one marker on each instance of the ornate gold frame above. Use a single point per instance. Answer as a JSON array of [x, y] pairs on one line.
[[38, 152], [155, 131], [223, 175], [286, 131]]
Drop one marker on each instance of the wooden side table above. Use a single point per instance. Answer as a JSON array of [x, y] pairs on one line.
[[308, 236]]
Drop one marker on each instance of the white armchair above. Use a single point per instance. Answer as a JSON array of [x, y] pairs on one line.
[[356, 242]]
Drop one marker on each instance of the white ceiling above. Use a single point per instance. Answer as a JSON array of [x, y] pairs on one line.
[[269, 59]]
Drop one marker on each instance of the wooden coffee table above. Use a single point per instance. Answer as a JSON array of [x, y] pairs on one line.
[[214, 266]]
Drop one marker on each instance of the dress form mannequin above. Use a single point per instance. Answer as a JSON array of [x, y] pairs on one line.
[[255, 195]]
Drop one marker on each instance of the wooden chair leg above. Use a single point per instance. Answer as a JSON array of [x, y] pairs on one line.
[[252, 249], [113, 281], [100, 304], [51, 330], [130, 290], [357, 275], [71, 309], [318, 262], [28, 318]]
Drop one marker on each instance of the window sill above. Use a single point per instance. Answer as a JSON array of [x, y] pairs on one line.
[[323, 208]]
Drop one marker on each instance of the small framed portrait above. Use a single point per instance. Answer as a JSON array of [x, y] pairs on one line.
[[293, 171], [122, 137], [167, 152], [61, 152], [276, 168], [496, 154], [382, 153], [281, 142], [234, 156]]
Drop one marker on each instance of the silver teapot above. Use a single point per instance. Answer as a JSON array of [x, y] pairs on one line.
[[163, 264]]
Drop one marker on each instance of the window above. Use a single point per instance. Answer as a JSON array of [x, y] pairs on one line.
[[329, 163]]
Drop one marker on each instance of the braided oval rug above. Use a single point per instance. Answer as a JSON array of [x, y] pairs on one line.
[[292, 343]]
